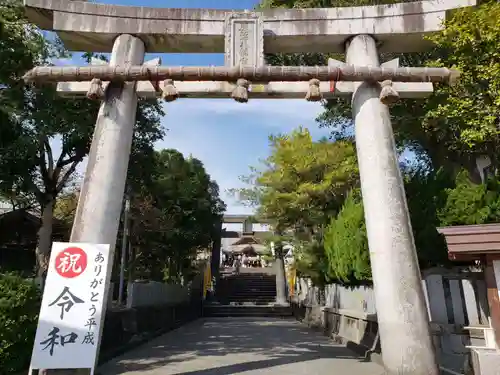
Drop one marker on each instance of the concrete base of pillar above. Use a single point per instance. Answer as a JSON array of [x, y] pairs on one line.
[[486, 361]]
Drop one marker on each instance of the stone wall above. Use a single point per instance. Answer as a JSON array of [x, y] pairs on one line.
[[153, 293], [154, 309], [128, 327], [455, 299]]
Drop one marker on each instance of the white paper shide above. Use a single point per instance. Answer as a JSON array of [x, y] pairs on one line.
[[70, 316]]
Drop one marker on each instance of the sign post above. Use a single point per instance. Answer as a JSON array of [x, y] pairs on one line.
[[70, 325]]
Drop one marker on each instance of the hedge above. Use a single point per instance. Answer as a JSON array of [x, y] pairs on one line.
[[19, 307]]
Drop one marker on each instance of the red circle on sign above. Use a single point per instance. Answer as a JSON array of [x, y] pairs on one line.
[[71, 262]]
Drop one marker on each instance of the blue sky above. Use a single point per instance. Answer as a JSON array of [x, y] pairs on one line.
[[226, 136]]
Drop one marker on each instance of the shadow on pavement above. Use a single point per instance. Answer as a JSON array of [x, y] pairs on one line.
[[231, 346]]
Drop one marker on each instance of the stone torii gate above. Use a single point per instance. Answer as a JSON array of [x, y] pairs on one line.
[[359, 32]]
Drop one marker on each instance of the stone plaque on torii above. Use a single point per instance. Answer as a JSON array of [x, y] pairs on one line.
[[359, 32]]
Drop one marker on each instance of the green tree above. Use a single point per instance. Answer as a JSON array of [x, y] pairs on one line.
[[65, 207], [447, 131], [299, 187], [346, 244], [310, 257], [435, 199], [21, 47], [469, 204], [19, 308], [175, 217], [426, 194], [455, 124], [303, 182], [42, 118], [465, 118]]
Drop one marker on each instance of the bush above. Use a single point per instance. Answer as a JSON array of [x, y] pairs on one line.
[[469, 204], [346, 244], [434, 200], [19, 308], [427, 194]]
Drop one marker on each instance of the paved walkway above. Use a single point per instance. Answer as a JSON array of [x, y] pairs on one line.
[[250, 346]]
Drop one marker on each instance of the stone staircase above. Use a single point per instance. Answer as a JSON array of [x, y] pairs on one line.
[[257, 288], [252, 292], [214, 310]]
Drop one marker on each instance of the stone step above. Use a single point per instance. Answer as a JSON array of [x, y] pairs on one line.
[[247, 292], [249, 285], [248, 282], [249, 302], [246, 287], [244, 282], [225, 292], [266, 271], [245, 295], [248, 277], [235, 288], [247, 298], [248, 310], [256, 287]]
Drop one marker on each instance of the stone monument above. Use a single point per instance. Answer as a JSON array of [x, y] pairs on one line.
[[359, 32]]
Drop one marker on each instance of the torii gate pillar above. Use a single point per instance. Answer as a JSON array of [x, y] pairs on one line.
[[99, 205], [403, 322]]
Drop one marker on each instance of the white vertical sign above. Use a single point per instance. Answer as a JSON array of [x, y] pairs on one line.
[[70, 316]]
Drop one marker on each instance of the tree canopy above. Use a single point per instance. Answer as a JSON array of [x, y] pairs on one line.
[[309, 191], [49, 135], [174, 217], [455, 124], [346, 244], [299, 187], [434, 200], [175, 205], [302, 181]]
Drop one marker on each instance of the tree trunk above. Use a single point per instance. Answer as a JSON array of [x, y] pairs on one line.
[[44, 240]]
